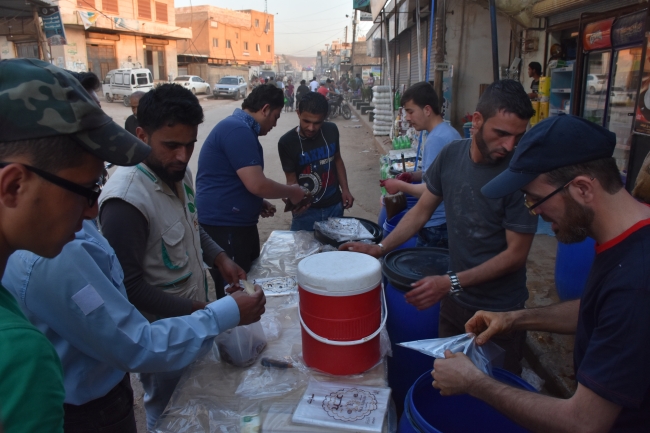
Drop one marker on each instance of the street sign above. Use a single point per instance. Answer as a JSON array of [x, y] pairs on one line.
[[365, 16], [442, 67]]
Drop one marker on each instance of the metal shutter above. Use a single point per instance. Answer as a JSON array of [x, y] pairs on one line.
[[414, 53], [404, 57]]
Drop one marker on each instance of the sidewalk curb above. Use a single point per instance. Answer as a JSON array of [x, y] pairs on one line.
[[378, 139]]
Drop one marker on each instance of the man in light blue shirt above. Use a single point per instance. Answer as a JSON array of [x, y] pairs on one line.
[[422, 108], [97, 333]]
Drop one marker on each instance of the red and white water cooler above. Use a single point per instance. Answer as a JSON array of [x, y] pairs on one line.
[[340, 311]]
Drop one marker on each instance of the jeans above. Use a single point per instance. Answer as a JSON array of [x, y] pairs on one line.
[[112, 413], [158, 389], [433, 237], [306, 220]]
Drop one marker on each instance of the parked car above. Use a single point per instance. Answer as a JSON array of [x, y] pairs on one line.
[[622, 96], [119, 84], [596, 83], [231, 87], [194, 83]]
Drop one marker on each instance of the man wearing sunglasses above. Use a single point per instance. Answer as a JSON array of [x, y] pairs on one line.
[[489, 240], [54, 141], [565, 167]]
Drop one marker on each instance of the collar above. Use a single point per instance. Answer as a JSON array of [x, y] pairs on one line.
[[620, 238], [247, 119], [160, 185]]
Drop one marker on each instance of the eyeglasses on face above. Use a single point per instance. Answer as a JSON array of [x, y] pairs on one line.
[[91, 194], [532, 204]]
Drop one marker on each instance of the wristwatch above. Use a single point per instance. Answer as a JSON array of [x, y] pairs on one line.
[[455, 284]]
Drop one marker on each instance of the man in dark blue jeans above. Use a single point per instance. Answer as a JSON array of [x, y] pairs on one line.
[[231, 186], [311, 157]]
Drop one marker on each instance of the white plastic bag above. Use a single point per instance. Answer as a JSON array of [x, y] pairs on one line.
[[484, 357], [242, 345]]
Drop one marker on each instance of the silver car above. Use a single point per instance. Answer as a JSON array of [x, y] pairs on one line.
[[231, 87]]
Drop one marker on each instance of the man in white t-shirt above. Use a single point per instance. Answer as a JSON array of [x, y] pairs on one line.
[[313, 84]]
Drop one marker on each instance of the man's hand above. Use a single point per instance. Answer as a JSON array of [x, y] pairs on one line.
[[405, 177], [486, 324], [360, 247], [456, 374], [251, 307], [347, 199], [268, 210], [229, 270], [393, 186], [297, 194], [428, 291]]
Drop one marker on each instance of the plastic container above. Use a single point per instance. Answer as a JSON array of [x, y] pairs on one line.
[[467, 129], [535, 119], [405, 322], [426, 411], [389, 226], [340, 311], [572, 266]]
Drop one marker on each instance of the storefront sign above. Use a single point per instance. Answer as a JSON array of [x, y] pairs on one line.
[[365, 16], [642, 112], [126, 24], [629, 29], [88, 19], [361, 5], [52, 25], [598, 35]]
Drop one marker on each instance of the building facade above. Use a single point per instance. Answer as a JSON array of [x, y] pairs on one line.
[[226, 37]]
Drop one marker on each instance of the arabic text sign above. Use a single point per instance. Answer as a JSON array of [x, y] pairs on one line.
[[53, 26]]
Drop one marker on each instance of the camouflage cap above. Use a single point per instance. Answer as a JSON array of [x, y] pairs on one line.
[[39, 100]]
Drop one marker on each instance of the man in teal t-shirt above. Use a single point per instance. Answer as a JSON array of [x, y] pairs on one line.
[[53, 145]]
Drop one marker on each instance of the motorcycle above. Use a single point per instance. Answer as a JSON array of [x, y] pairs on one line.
[[338, 105]]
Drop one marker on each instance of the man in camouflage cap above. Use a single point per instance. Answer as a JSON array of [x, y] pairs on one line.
[[54, 141]]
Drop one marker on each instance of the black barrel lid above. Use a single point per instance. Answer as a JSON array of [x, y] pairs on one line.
[[406, 266]]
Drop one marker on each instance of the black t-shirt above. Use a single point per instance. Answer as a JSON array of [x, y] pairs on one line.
[[302, 91], [477, 225], [612, 347], [313, 163], [131, 124]]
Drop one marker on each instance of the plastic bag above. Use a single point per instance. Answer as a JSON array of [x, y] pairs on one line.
[[484, 357], [241, 345], [343, 229]]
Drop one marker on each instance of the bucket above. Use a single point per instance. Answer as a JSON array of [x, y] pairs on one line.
[[426, 411], [410, 202], [340, 311], [405, 322], [389, 226], [572, 265]]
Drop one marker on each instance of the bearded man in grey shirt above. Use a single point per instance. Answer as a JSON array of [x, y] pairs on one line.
[[489, 239]]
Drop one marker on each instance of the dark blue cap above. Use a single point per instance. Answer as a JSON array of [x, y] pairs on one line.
[[555, 142]]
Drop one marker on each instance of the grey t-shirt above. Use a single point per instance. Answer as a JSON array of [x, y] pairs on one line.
[[477, 225]]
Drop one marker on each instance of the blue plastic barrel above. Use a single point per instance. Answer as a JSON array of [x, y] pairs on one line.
[[410, 202], [426, 411], [389, 226], [572, 265], [401, 268]]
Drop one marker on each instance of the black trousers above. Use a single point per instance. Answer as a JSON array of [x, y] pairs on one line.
[[242, 244], [112, 413]]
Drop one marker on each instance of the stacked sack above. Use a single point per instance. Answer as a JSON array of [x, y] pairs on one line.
[[383, 110]]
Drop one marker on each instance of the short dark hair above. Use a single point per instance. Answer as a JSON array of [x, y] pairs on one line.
[[168, 104], [505, 95], [422, 94], [314, 103], [536, 66], [605, 170], [51, 154], [262, 95], [303, 82]]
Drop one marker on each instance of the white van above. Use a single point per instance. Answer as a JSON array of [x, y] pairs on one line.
[[121, 83]]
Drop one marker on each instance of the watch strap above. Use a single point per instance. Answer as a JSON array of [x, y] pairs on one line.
[[455, 283]]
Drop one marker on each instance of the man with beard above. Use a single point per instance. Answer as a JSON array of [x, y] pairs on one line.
[[148, 215], [564, 167], [489, 240]]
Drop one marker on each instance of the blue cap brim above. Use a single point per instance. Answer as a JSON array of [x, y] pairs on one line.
[[507, 183]]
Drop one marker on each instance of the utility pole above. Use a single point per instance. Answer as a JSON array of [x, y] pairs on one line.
[[42, 43], [346, 35], [354, 37], [440, 46]]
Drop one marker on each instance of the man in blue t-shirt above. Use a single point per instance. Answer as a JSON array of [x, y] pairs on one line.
[[311, 157], [578, 188], [231, 185], [422, 108]]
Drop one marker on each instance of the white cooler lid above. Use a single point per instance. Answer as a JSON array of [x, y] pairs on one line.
[[339, 273]]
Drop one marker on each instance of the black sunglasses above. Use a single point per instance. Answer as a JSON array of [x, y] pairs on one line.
[[91, 194]]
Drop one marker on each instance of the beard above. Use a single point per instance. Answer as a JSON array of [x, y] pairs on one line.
[[168, 175], [485, 150], [575, 226]]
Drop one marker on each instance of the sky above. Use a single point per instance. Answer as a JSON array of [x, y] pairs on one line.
[[301, 27]]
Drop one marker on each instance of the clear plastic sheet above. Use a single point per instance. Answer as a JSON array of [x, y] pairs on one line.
[[484, 357], [343, 229], [216, 397], [281, 254]]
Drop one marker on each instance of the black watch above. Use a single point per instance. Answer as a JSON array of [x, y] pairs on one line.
[[455, 284]]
